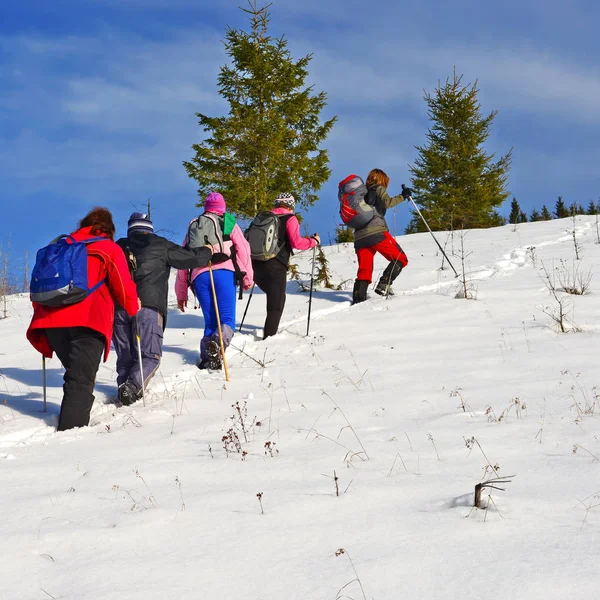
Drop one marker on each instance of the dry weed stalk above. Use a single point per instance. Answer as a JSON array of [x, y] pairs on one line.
[[348, 425], [356, 579]]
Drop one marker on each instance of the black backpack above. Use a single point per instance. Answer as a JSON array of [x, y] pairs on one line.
[[265, 235]]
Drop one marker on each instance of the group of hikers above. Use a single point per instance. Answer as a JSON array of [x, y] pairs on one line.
[[88, 290]]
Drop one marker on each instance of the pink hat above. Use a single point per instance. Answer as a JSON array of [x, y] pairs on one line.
[[215, 203]]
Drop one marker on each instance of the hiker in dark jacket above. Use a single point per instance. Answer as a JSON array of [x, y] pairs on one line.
[[271, 275], [150, 259], [375, 237]]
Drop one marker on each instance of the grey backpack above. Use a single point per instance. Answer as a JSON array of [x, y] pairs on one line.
[[207, 229], [265, 235]]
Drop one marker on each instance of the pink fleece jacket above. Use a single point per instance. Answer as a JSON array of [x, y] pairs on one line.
[[243, 259], [292, 228]]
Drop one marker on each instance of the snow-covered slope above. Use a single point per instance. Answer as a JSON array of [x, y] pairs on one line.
[[409, 400]]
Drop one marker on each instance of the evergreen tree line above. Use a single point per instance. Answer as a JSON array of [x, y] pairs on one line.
[[561, 210], [272, 140]]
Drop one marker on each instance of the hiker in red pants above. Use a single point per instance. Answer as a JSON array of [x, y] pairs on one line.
[[375, 237]]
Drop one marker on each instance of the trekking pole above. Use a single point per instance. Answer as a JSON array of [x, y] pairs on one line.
[[44, 378], [247, 305], [312, 278], [212, 285], [139, 345], [431, 232]]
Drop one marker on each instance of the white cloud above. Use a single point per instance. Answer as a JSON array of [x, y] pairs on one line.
[[117, 110]]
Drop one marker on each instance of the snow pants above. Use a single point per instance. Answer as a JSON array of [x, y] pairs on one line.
[[388, 248], [80, 350], [150, 324], [226, 297]]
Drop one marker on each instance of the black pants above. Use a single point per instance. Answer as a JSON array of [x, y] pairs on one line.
[[80, 350], [271, 277]]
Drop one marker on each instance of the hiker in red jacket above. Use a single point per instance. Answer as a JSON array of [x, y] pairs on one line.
[[80, 333]]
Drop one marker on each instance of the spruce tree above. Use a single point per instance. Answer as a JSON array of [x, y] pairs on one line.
[[535, 216], [270, 141], [522, 217], [592, 210], [343, 234], [560, 210], [545, 215], [456, 182], [515, 212]]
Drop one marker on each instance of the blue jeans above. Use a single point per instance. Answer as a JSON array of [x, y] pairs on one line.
[[150, 324], [226, 298]]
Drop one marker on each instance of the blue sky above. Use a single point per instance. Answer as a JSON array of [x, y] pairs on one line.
[[98, 98]]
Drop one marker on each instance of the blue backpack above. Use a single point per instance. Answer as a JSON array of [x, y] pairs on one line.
[[60, 277]]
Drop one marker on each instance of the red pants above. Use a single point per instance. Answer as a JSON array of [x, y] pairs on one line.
[[389, 248]]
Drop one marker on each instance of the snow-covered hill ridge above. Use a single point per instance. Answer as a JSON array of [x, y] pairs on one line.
[[411, 400]]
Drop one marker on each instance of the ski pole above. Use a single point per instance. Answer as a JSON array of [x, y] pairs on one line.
[[431, 232], [139, 345], [44, 378], [312, 278], [247, 305], [212, 285]]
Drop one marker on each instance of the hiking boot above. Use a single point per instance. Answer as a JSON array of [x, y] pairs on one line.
[[128, 393], [214, 356], [203, 364], [359, 294], [384, 286], [384, 289]]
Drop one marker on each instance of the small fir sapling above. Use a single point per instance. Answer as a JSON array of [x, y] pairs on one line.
[[322, 275], [343, 235], [466, 289]]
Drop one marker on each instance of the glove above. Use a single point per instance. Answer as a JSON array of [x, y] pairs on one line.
[[406, 192], [219, 257]]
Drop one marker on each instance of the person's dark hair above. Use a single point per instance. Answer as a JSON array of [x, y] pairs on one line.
[[378, 177], [100, 220]]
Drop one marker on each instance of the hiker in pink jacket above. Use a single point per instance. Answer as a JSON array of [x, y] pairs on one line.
[[271, 275], [218, 228]]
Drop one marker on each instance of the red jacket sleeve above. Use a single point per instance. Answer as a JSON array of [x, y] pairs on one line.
[[119, 282]]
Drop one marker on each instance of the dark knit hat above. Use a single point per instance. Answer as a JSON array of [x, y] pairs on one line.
[[139, 222]]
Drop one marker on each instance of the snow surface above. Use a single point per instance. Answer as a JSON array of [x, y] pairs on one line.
[[146, 503]]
